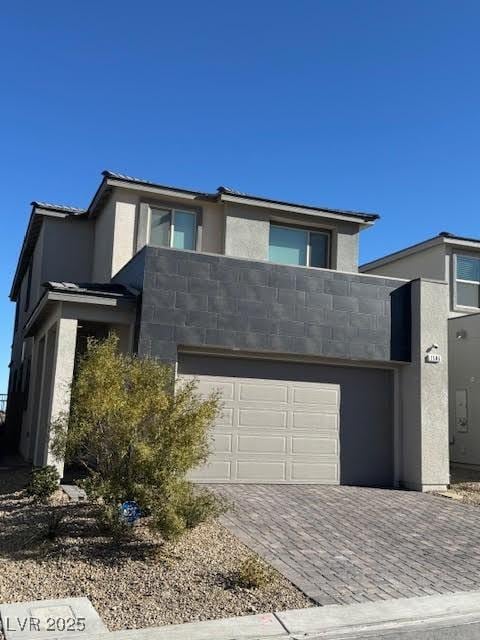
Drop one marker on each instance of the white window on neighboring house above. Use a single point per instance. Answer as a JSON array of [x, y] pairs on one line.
[[467, 281], [173, 228]]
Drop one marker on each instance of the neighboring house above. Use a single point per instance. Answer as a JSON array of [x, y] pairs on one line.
[[322, 369], [455, 260]]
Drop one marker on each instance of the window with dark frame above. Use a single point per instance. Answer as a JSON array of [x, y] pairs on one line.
[[299, 246], [173, 228]]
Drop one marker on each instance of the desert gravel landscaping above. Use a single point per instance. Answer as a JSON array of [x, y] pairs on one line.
[[464, 485], [141, 584]]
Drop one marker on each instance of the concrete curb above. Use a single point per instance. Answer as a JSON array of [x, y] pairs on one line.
[[328, 622]]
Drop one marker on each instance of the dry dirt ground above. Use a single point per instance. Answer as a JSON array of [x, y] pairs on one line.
[[465, 485], [141, 584]]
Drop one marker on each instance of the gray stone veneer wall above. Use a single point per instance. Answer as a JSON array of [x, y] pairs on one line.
[[194, 299]]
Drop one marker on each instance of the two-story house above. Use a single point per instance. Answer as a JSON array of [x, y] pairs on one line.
[[455, 260], [325, 372]]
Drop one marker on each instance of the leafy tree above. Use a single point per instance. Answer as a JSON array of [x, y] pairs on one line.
[[138, 433]]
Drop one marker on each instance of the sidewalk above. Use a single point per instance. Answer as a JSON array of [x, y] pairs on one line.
[[442, 616]]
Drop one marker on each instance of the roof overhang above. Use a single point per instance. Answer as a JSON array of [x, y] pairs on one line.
[[112, 180], [251, 201], [51, 298]]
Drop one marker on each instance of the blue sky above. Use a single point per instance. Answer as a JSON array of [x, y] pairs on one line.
[[361, 104]]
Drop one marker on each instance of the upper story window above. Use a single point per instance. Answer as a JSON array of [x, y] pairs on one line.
[[293, 245], [468, 281], [173, 228]]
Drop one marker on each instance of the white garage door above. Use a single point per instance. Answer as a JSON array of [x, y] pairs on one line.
[[273, 431]]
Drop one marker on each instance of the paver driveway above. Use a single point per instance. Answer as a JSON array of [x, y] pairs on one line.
[[352, 544]]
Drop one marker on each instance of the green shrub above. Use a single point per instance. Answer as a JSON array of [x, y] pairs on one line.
[[110, 523], [138, 433], [43, 483], [199, 505], [252, 574], [55, 518]]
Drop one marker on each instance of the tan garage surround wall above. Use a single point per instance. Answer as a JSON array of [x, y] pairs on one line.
[[424, 391]]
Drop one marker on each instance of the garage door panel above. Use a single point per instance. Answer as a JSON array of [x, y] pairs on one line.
[[225, 418], [207, 386], [315, 472], [262, 419], [314, 446], [261, 471], [262, 444], [315, 395], [315, 420], [221, 443], [263, 393], [214, 471]]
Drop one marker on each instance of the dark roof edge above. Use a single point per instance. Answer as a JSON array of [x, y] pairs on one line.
[[368, 217], [452, 236], [61, 208], [109, 290], [124, 178]]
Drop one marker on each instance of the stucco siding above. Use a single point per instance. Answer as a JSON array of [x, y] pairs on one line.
[[37, 258], [345, 240], [103, 243], [246, 232], [67, 250], [124, 232], [428, 263], [424, 391], [213, 228]]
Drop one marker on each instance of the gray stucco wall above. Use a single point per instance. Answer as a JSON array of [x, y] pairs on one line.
[[424, 391], [345, 246], [67, 250], [194, 299]]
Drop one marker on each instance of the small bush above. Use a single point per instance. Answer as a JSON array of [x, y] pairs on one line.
[[252, 574], [110, 523], [43, 483], [54, 522], [199, 505], [138, 432]]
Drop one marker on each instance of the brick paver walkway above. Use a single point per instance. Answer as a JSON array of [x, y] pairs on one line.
[[352, 544]]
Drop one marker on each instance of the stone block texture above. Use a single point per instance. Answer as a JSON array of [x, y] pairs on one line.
[[202, 300]]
